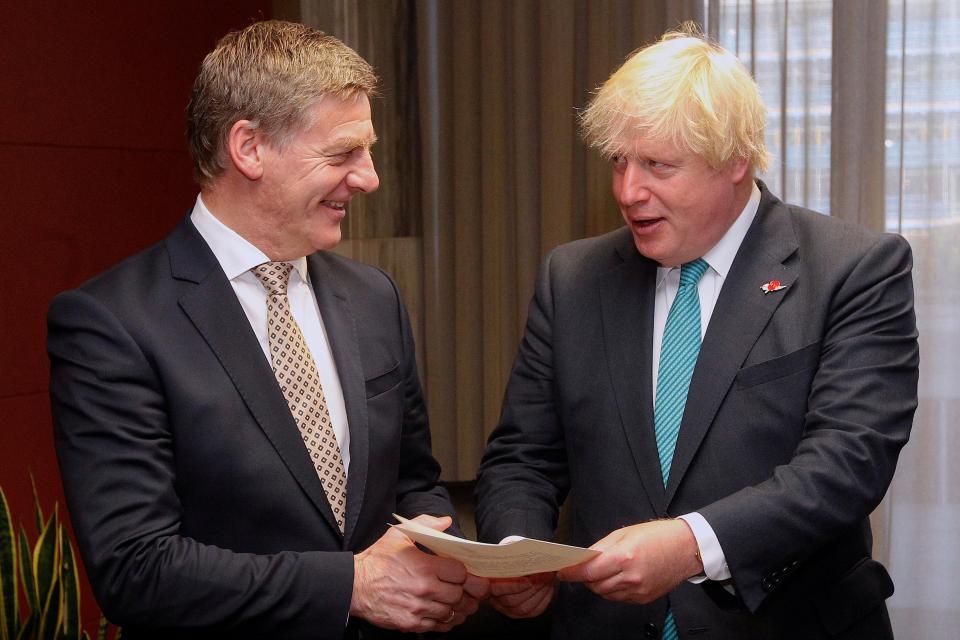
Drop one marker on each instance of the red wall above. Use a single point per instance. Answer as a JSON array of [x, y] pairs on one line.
[[93, 167]]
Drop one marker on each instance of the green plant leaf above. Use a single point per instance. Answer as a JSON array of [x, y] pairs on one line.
[[37, 511], [48, 574], [9, 591], [26, 572], [50, 615], [29, 625], [46, 560], [71, 588], [103, 630]]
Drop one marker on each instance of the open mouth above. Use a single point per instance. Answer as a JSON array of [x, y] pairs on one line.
[[646, 223], [333, 204]]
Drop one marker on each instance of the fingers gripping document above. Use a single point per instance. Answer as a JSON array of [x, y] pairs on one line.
[[514, 556]]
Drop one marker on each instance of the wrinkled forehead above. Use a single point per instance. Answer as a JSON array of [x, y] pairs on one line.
[[644, 143], [348, 117]]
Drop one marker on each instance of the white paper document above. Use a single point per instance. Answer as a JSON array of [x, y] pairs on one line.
[[515, 556]]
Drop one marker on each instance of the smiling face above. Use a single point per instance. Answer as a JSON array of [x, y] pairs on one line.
[[308, 181], [676, 205]]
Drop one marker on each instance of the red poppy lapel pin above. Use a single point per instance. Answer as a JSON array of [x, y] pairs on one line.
[[773, 285]]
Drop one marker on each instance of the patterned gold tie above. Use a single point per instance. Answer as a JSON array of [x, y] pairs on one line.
[[296, 372]]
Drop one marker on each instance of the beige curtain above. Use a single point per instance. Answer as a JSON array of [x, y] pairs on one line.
[[892, 138], [482, 171], [923, 203], [858, 101], [505, 178]]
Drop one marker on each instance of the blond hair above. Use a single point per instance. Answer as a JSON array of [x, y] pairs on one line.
[[270, 73], [684, 89]]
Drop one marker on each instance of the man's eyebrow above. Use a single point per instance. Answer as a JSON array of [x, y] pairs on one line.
[[352, 142]]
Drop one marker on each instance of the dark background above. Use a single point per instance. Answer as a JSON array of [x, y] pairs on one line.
[[93, 167]]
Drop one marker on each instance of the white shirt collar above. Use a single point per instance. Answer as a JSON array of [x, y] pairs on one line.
[[234, 253], [720, 257]]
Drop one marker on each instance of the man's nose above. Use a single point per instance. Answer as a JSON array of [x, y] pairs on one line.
[[633, 187], [364, 176]]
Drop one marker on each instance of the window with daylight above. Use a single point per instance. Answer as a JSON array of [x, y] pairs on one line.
[[791, 46], [922, 198]]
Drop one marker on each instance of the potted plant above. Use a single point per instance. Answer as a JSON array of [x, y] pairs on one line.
[[45, 574]]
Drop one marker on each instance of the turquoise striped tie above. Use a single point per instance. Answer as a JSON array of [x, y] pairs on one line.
[[678, 355]]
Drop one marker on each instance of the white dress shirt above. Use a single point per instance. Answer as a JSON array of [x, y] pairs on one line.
[[236, 257], [719, 259]]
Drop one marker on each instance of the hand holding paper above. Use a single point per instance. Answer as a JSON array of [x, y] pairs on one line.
[[513, 557], [525, 597], [397, 586], [640, 563]]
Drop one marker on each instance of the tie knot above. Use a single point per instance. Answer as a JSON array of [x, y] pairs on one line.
[[274, 276], [691, 272]]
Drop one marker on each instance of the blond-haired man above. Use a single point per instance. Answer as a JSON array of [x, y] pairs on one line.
[[722, 386], [237, 410]]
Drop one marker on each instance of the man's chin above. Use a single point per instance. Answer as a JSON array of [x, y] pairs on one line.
[[327, 240]]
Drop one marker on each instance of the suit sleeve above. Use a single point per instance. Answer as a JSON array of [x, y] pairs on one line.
[[117, 457], [859, 413], [523, 477]]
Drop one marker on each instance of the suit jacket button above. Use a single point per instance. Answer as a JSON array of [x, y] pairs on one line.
[[649, 630], [766, 585]]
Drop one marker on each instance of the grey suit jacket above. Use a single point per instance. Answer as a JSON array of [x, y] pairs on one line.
[[196, 507], [800, 402]]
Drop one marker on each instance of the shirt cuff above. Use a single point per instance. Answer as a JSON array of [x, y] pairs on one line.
[[714, 562]]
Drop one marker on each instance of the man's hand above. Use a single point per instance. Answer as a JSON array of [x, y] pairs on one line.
[[476, 587], [397, 586], [640, 563], [525, 597]]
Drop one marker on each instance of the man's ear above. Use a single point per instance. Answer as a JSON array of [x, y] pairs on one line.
[[739, 169], [245, 146]]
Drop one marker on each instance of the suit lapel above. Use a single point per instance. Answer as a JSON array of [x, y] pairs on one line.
[[213, 308], [626, 302], [739, 317], [340, 325]]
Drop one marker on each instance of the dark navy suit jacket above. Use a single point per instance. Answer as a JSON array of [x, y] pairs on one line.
[[195, 504], [800, 402]]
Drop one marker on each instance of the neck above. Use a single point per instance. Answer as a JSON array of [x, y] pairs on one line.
[[235, 205]]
